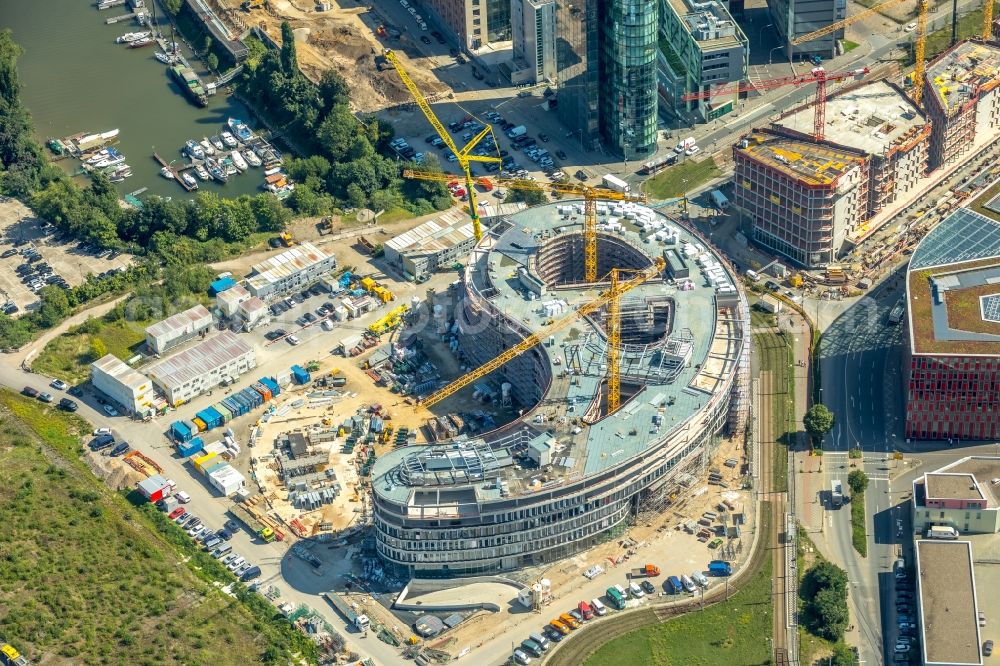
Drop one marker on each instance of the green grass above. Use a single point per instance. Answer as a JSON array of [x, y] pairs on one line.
[[849, 45], [776, 354], [730, 632], [681, 179], [88, 578], [858, 536], [69, 355]]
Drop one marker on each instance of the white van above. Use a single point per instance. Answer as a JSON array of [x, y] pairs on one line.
[[221, 551], [598, 607], [942, 532], [688, 584], [636, 591], [700, 578]]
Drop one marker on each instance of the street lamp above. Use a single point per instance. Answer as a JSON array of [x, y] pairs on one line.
[[769, 25], [770, 56]]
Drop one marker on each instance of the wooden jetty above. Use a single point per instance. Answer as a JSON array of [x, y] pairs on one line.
[[122, 17], [176, 172]]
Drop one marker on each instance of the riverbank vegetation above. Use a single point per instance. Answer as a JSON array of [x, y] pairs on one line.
[[87, 578], [344, 163]]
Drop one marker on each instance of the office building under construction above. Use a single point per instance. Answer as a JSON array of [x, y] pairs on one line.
[[961, 99], [808, 199], [566, 475]]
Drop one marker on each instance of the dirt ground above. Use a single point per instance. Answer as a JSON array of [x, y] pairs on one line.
[[17, 222], [342, 39]]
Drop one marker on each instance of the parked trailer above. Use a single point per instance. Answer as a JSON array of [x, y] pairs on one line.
[[359, 620]]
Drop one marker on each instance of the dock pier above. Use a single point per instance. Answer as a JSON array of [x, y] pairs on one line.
[[176, 172], [123, 17]]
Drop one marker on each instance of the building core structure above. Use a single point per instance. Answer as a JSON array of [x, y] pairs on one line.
[[953, 350], [794, 18], [533, 23], [961, 99], [564, 475]]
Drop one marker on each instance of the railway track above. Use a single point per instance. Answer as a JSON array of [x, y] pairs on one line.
[[578, 646]]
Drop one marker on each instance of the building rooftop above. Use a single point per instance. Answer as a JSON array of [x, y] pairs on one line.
[[111, 365], [972, 477], [188, 321], [958, 73], [709, 23], [285, 264], [234, 294], [804, 160], [252, 306], [450, 229], [675, 377], [874, 117], [201, 359], [947, 587], [953, 286]]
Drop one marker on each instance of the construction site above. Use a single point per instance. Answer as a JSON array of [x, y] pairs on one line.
[[346, 37]]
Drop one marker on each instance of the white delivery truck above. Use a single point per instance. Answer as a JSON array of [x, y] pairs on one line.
[[615, 183], [941, 532]]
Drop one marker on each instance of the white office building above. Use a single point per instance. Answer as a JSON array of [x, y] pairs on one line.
[[203, 367], [127, 387], [533, 23], [178, 329], [295, 268]]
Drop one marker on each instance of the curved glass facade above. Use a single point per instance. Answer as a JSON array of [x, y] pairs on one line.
[[628, 30]]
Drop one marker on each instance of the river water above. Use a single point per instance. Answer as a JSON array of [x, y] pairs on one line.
[[75, 78]]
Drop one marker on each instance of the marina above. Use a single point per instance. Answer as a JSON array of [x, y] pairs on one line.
[[73, 92]]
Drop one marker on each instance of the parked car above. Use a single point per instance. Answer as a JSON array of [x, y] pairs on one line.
[[177, 513], [182, 497], [120, 449], [102, 431], [45, 397], [30, 392], [250, 574], [68, 405], [110, 411]]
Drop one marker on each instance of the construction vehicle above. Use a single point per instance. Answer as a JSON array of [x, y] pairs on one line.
[[359, 620], [590, 196], [648, 571], [918, 51], [286, 239], [389, 321], [325, 226], [9, 656], [608, 297], [250, 520], [253, 4], [464, 155], [818, 75]]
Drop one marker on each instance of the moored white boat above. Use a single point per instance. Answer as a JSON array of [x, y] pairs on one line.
[[251, 158], [238, 160]]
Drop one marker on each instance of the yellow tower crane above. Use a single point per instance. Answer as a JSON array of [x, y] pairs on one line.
[[614, 331], [608, 297], [464, 155], [918, 52], [590, 196]]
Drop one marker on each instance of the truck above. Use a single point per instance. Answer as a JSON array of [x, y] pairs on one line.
[[674, 583], [684, 145], [836, 494], [359, 620], [615, 183], [515, 132], [9, 656], [616, 598], [648, 571], [720, 568], [941, 532], [242, 514]]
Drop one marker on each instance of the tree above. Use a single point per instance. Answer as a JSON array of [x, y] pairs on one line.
[[173, 6], [97, 348], [289, 61], [55, 306], [858, 481], [533, 196], [213, 61], [830, 614], [842, 656], [822, 575], [818, 422], [206, 44]]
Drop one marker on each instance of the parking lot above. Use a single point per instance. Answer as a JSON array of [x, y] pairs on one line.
[[32, 256]]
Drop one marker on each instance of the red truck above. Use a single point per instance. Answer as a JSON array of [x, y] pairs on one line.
[[648, 571]]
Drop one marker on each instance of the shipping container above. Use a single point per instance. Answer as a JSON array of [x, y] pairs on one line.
[[200, 462], [234, 406], [227, 415], [193, 447], [216, 463], [263, 390], [181, 431], [271, 384], [210, 417], [300, 375]]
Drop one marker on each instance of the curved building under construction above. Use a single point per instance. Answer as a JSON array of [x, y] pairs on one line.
[[565, 475]]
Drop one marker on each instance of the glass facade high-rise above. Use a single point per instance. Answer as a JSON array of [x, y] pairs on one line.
[[606, 55], [628, 35]]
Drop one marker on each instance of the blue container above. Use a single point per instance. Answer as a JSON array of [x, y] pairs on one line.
[[300, 375], [211, 417], [220, 286], [188, 449], [242, 402], [181, 431], [253, 398], [234, 406], [271, 384]]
